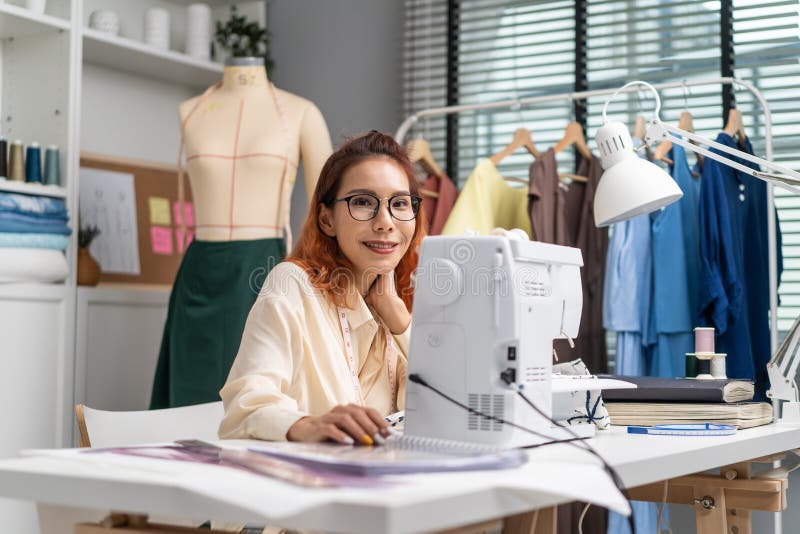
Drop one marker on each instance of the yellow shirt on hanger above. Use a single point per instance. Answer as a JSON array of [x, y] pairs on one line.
[[292, 362], [487, 202]]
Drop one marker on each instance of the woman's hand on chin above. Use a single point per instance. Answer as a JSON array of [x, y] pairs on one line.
[[390, 307], [346, 424]]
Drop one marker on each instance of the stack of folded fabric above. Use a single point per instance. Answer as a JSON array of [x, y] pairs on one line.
[[33, 237]]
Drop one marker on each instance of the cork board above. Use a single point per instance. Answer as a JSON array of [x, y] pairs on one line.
[[159, 253]]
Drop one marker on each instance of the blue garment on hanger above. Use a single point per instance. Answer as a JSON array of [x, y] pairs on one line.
[[734, 293], [626, 291], [671, 310], [689, 207]]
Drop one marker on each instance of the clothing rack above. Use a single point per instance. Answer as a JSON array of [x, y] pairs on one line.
[[516, 103]]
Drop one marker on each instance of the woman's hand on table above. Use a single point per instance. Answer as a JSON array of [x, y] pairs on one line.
[[346, 424]]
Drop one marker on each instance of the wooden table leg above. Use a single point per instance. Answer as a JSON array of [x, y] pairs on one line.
[[739, 520], [710, 512]]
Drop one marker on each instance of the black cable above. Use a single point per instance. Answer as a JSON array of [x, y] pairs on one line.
[[419, 380], [413, 377]]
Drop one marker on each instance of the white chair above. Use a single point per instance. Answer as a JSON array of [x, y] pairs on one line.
[[101, 428]]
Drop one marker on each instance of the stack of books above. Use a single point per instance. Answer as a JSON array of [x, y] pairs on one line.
[[663, 401]]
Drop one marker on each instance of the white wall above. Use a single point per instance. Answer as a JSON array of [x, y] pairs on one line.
[[346, 57]]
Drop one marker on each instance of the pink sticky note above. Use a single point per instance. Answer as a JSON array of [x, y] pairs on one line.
[[161, 240], [188, 209], [180, 241]]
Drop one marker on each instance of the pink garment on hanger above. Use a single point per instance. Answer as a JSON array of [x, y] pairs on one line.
[[438, 209]]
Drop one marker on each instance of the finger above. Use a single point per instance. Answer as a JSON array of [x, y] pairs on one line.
[[365, 421], [331, 432], [347, 423], [378, 420]]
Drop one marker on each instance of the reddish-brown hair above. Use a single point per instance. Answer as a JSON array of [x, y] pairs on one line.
[[319, 254]]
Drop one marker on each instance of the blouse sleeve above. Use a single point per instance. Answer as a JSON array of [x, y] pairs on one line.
[[256, 395]]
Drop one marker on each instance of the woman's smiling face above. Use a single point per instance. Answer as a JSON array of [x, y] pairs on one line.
[[373, 246]]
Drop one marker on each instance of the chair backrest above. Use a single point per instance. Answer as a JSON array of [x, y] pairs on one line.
[[100, 428]]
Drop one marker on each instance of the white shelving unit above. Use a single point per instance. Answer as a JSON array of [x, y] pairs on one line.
[[17, 21], [138, 58]]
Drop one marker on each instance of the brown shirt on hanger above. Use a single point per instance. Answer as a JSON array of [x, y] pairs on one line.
[[565, 216]]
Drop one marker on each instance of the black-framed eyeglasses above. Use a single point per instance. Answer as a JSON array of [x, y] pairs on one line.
[[365, 206]]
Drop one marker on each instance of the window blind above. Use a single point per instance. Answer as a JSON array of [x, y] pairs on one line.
[[766, 44], [425, 70]]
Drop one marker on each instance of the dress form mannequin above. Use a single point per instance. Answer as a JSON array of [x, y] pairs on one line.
[[242, 141], [265, 129]]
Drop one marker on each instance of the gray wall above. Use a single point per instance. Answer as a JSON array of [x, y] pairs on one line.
[[346, 57]]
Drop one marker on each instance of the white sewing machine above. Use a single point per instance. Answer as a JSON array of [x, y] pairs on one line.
[[483, 306]]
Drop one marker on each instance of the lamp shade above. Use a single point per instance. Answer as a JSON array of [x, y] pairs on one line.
[[630, 185]]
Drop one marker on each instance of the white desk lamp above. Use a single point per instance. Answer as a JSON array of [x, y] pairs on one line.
[[631, 186]]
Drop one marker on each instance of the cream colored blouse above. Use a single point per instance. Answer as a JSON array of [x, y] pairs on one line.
[[292, 362]]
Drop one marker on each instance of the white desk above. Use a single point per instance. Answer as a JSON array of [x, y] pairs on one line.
[[555, 475]]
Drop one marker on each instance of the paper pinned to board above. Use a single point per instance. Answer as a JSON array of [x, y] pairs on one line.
[[107, 200], [161, 240], [159, 211]]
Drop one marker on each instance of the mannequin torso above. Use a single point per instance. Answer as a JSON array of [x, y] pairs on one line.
[[243, 140]]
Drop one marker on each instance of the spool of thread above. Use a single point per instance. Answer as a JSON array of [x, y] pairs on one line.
[[691, 365], [704, 366], [704, 339], [52, 166], [198, 31], [718, 366], [16, 162], [33, 163], [156, 28], [3, 157]]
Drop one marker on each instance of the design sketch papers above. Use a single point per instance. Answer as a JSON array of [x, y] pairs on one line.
[[107, 200]]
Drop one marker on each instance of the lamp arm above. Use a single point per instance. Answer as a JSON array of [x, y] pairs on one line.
[[659, 131]]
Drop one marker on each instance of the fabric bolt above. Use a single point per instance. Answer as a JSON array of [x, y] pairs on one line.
[[25, 224], [32, 205], [671, 316], [487, 202], [438, 209], [32, 265], [734, 256], [20, 240], [292, 361], [565, 216], [216, 285]]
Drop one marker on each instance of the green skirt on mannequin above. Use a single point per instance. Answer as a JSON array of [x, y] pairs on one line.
[[216, 285]]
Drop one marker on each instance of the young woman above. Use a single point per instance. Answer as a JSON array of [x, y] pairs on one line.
[[323, 354]]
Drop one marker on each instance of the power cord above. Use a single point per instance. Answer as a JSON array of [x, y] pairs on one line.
[[660, 522], [508, 378], [583, 516]]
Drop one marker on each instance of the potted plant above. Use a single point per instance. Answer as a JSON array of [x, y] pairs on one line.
[[88, 268], [243, 38]]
